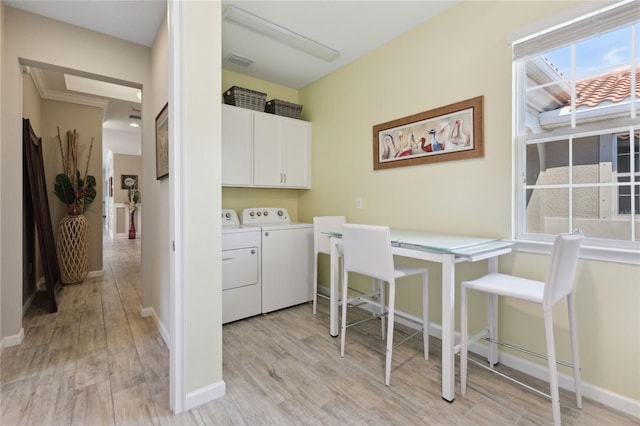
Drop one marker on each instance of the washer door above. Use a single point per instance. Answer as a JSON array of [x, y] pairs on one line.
[[239, 267]]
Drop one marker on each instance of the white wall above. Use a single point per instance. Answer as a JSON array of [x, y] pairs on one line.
[[156, 243], [1, 174]]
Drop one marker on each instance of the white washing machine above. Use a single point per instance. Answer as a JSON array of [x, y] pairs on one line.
[[287, 257], [241, 271]]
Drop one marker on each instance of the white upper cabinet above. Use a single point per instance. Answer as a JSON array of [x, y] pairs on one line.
[[279, 155], [237, 146]]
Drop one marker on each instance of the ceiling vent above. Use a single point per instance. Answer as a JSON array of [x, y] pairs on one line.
[[239, 60]]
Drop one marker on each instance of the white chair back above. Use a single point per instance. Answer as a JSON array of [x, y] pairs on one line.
[[561, 276], [367, 250], [321, 242]]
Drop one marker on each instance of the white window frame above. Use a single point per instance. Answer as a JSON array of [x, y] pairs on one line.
[[526, 40]]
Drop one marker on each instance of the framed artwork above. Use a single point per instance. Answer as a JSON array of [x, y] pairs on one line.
[[162, 143], [451, 132], [127, 181]]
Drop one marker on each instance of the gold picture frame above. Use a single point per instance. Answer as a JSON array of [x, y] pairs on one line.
[[451, 132]]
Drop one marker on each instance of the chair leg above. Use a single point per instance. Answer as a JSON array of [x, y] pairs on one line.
[[425, 314], [493, 328], [383, 309], [315, 283], [464, 335], [553, 371], [343, 330], [574, 350], [392, 297]]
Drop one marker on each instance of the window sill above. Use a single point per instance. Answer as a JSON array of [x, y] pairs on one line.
[[605, 254]]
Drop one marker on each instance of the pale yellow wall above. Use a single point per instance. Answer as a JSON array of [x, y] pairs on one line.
[[200, 238], [156, 292], [456, 56]]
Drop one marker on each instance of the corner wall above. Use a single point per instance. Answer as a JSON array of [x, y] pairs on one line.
[[455, 56]]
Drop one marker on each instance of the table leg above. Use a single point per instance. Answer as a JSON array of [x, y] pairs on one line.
[[448, 327], [493, 321], [333, 289]]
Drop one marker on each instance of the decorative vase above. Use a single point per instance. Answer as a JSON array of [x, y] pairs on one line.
[[132, 228], [72, 248]]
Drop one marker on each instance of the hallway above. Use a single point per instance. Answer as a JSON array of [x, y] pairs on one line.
[[95, 361]]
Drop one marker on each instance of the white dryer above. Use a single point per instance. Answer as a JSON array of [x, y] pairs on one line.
[[241, 284], [287, 257]]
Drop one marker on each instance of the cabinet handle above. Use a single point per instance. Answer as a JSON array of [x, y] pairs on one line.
[[285, 177], [253, 251]]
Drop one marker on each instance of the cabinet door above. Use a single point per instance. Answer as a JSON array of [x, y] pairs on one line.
[[268, 170], [237, 146], [295, 152], [282, 152]]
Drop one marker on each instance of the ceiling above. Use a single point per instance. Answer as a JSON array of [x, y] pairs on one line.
[[352, 28]]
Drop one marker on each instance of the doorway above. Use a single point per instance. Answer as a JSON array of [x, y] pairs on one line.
[[108, 120]]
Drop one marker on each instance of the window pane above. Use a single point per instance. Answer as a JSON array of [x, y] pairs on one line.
[[586, 160], [548, 163], [624, 197], [624, 153], [586, 216], [603, 188], [548, 211], [548, 96], [598, 55]]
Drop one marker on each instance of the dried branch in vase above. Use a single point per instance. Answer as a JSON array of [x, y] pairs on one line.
[[76, 191]]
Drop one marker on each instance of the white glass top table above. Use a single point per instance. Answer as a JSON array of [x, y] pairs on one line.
[[446, 249]]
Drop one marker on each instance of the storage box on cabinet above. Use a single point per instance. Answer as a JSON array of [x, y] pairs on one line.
[[276, 149]]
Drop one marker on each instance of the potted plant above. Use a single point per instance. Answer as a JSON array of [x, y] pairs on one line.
[[77, 192]]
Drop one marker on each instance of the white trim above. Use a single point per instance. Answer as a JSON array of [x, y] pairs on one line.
[[596, 393], [605, 254], [205, 394], [95, 274], [558, 19], [13, 340], [177, 347], [164, 333]]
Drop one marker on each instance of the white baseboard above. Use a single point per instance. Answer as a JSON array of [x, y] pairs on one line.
[[604, 396], [95, 274], [205, 394], [146, 312], [14, 340]]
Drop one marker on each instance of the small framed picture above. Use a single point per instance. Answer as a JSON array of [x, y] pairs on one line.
[[162, 143], [128, 181]]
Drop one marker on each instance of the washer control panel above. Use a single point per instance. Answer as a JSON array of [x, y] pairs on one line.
[[230, 218], [258, 215]]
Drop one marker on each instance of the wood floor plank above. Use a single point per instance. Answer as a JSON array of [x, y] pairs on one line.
[[97, 362]]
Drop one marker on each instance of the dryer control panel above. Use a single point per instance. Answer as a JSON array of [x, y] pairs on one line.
[[260, 215], [230, 218]]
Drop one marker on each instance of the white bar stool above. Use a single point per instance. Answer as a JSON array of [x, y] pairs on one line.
[[367, 251], [558, 285]]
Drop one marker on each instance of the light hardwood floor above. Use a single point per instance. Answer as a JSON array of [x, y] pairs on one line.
[[97, 362]]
